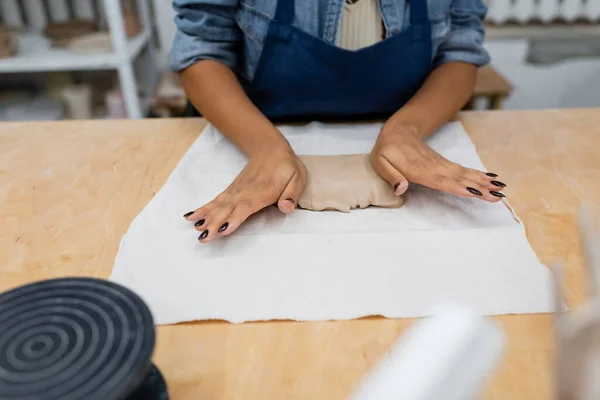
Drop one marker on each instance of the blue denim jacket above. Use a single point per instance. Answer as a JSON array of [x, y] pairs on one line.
[[233, 31]]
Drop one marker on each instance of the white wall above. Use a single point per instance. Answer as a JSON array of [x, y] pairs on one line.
[[163, 10], [523, 11], [571, 83]]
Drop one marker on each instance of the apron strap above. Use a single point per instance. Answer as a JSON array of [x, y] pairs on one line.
[[418, 11], [285, 12]]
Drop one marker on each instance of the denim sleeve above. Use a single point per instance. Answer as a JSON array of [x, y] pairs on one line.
[[206, 29], [465, 40]]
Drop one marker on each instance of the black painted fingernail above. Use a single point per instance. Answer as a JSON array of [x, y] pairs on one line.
[[187, 214], [498, 183], [291, 200], [203, 235], [223, 227], [491, 174], [497, 194], [200, 223], [474, 191]]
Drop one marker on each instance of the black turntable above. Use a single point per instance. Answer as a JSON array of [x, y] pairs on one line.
[[76, 339]]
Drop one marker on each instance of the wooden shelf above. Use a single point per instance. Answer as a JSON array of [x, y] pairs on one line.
[[36, 55]]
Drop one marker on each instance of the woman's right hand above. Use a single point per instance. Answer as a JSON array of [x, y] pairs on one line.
[[272, 175]]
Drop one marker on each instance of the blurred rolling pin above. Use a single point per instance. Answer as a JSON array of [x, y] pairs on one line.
[[449, 356]]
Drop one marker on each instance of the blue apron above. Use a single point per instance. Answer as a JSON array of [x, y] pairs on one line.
[[302, 77]]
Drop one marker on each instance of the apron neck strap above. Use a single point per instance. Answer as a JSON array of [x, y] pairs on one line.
[[418, 11], [285, 11]]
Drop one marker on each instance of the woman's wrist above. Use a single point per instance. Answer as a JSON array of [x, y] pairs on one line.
[[267, 143], [397, 126]]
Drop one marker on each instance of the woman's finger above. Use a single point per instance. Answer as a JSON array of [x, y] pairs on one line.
[[199, 215], [461, 187], [486, 181], [478, 191], [387, 171], [216, 223], [289, 197], [449, 184], [194, 215], [200, 224], [483, 182], [236, 218], [203, 214]]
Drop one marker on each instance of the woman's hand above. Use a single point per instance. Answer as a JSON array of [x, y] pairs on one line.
[[272, 175], [401, 156]]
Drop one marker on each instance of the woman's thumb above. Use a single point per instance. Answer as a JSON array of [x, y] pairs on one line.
[[390, 174], [290, 195]]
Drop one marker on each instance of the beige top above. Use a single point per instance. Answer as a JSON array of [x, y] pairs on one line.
[[361, 25], [69, 191]]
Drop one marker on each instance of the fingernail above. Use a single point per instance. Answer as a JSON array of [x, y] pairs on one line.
[[497, 194], [396, 186], [291, 200], [203, 235], [200, 223], [498, 183], [491, 174], [223, 227], [474, 191], [187, 214]]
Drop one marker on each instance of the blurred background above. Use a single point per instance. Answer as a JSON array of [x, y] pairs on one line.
[[81, 59]]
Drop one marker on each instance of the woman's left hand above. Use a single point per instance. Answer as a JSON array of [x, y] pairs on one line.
[[401, 156]]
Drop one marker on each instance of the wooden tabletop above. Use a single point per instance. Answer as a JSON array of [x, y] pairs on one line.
[[69, 190]]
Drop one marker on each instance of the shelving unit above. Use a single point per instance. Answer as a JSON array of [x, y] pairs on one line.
[[36, 55]]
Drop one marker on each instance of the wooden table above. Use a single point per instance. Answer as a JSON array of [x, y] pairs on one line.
[[69, 190]]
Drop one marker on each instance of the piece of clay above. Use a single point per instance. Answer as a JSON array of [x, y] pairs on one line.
[[344, 183]]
